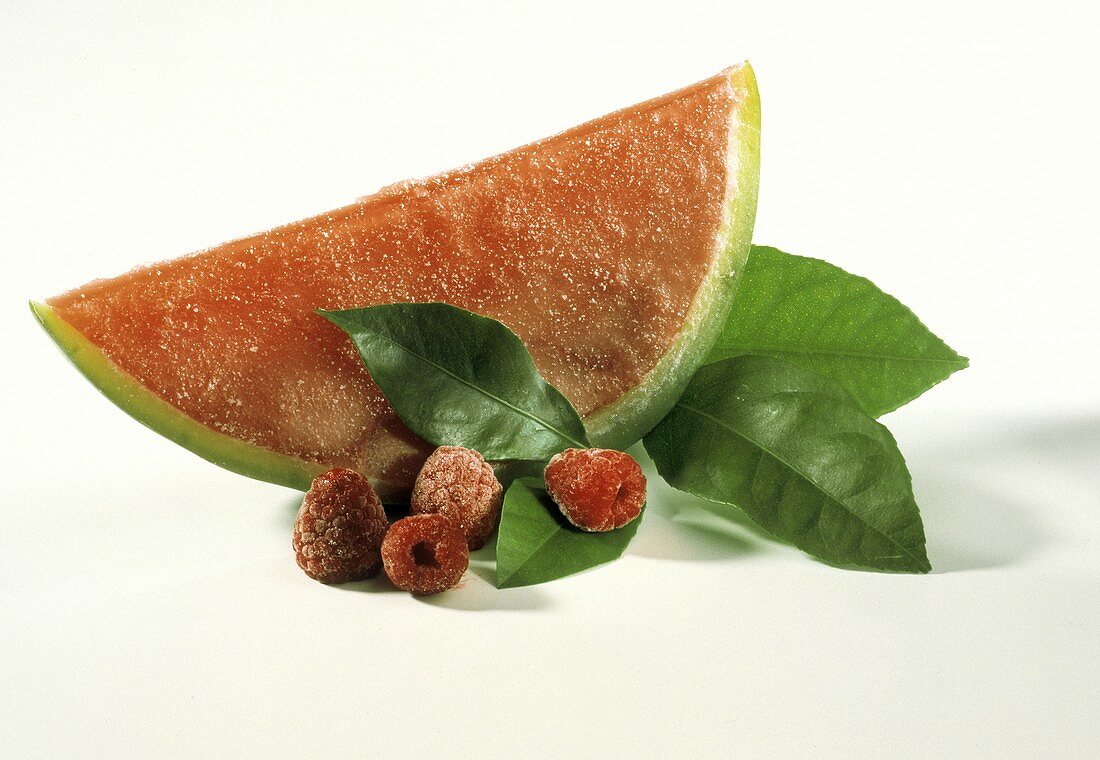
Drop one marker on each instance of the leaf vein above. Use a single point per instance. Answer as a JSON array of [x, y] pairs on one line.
[[725, 426], [530, 556], [755, 348], [503, 402]]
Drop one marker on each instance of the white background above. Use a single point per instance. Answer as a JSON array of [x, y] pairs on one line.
[[149, 602]]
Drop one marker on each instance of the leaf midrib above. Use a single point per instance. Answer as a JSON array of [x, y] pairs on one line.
[[960, 361], [503, 402], [725, 426], [530, 556]]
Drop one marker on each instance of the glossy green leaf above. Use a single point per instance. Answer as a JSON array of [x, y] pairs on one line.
[[794, 451], [537, 544], [820, 317], [457, 378]]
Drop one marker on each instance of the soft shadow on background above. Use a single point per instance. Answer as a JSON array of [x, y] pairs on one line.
[[984, 493], [479, 591], [981, 492], [679, 526]]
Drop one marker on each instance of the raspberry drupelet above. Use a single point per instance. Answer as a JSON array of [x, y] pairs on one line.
[[458, 483], [596, 489], [340, 526], [425, 554]]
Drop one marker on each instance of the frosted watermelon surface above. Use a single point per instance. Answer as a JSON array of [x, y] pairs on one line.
[[594, 246]]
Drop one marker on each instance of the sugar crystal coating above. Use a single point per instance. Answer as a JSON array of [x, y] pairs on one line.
[[458, 483], [425, 554], [340, 526], [596, 489], [591, 245]]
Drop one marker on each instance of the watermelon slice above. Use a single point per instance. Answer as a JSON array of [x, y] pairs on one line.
[[611, 249]]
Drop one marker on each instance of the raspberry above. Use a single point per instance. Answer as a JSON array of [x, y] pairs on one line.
[[596, 489], [339, 530], [425, 554], [459, 484]]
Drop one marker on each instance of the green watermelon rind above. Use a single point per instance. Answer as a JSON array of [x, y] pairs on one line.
[[617, 425], [157, 414], [624, 422]]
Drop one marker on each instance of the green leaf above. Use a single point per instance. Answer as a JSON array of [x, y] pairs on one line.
[[793, 450], [537, 544], [460, 379], [822, 318]]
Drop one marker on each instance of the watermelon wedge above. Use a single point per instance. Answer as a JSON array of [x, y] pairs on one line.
[[611, 249]]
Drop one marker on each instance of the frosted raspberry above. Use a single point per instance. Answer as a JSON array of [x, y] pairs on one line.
[[458, 483], [425, 554], [339, 530], [596, 489]]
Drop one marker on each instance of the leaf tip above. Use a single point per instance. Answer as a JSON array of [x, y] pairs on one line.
[[506, 581], [920, 564]]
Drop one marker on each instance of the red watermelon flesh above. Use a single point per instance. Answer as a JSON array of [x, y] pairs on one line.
[[592, 245]]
